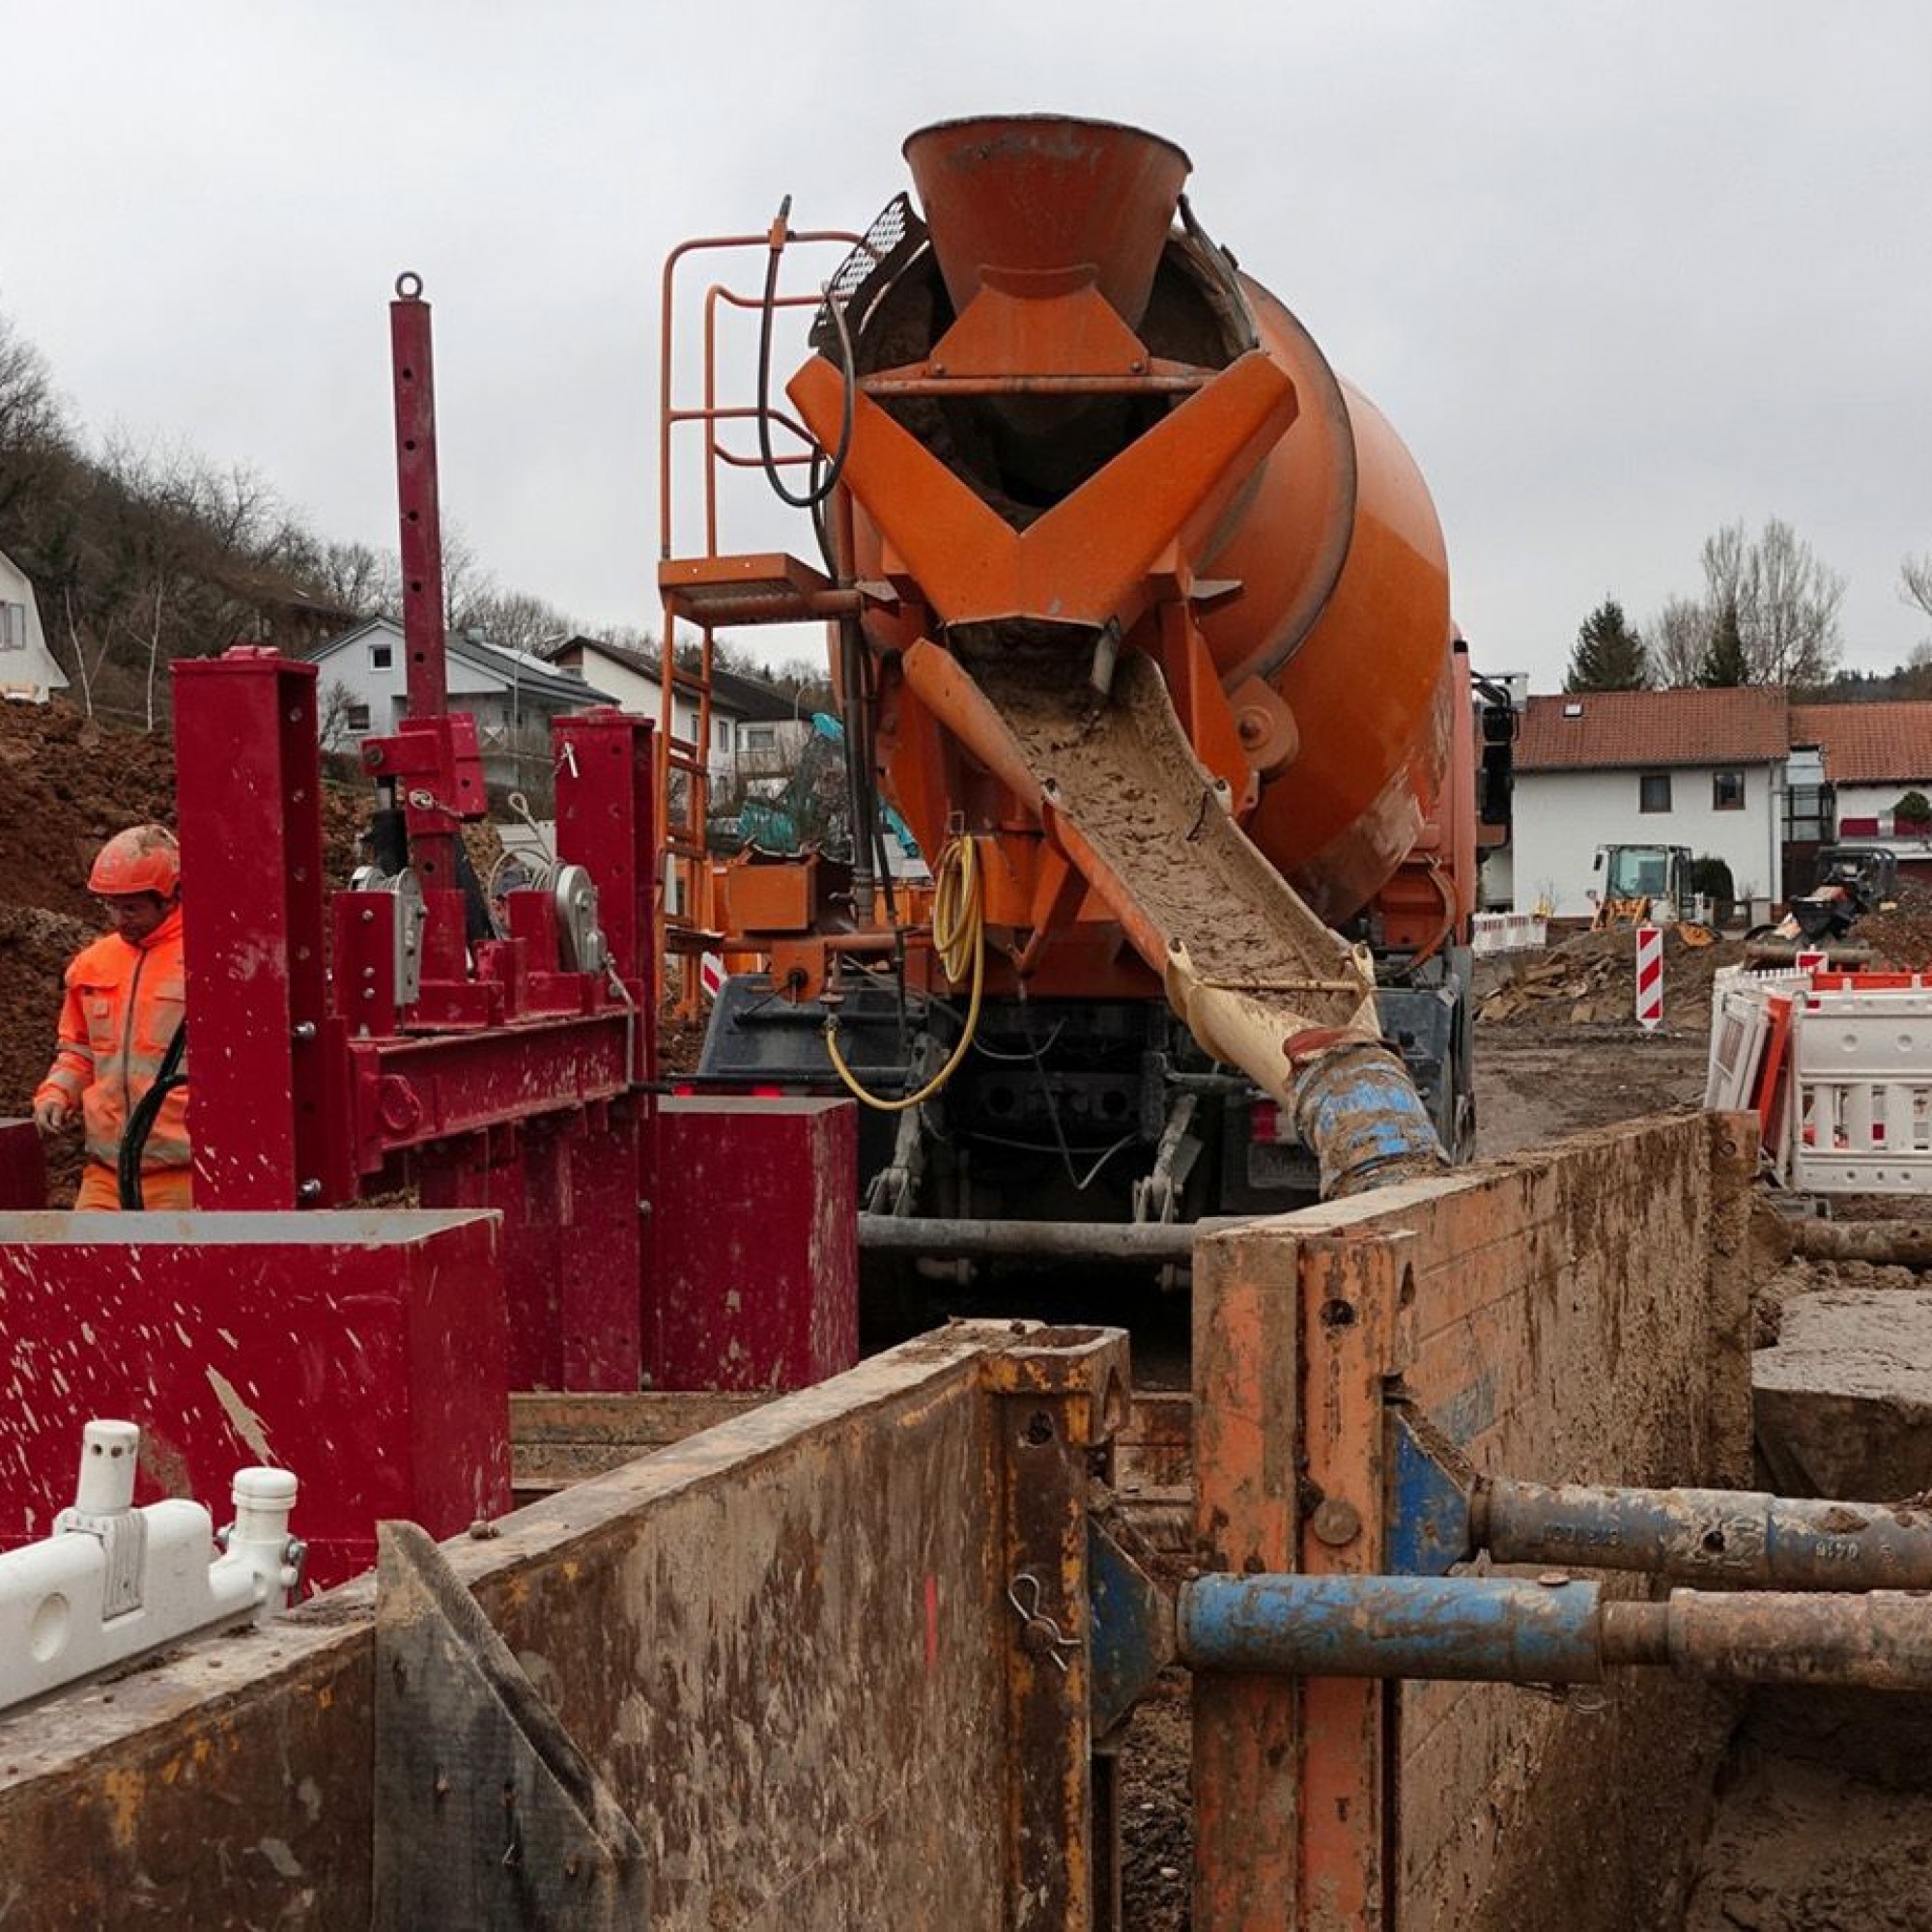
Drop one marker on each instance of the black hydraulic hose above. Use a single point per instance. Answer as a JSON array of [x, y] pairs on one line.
[[141, 1122], [823, 486], [869, 674], [388, 841], [479, 923]]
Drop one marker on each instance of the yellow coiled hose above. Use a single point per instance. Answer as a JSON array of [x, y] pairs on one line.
[[959, 939]]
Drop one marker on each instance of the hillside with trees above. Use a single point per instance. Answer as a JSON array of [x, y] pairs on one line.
[[141, 553]]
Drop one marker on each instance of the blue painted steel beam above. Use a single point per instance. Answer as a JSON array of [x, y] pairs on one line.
[[1130, 1631], [1481, 1627], [1429, 1484]]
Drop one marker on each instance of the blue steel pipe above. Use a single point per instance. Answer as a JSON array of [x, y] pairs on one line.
[[1481, 1627], [1357, 1107]]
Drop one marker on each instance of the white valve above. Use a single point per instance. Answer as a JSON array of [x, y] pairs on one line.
[[259, 1536], [108, 1453], [113, 1581]]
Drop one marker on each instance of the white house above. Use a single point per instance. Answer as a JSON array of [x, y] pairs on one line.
[[28, 668], [1706, 769], [512, 695], [755, 729]]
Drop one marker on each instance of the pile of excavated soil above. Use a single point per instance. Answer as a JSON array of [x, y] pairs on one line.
[[1591, 978], [68, 784], [1902, 936]]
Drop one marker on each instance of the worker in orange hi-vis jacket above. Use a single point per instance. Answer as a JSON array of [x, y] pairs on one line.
[[124, 1008]]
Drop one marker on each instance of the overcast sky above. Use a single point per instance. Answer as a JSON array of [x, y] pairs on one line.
[[1618, 275]]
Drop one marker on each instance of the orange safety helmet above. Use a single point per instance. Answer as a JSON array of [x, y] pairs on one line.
[[143, 859]]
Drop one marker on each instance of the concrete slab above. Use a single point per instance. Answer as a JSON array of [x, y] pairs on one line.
[[1843, 1404]]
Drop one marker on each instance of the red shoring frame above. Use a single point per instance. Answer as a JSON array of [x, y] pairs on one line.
[[302, 1093]]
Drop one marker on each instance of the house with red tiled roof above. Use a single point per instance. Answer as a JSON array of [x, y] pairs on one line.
[[1739, 773], [1702, 769], [1870, 756]]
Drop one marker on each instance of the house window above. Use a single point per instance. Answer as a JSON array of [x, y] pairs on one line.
[[379, 657], [761, 737], [1652, 792], [12, 627], [358, 718], [1809, 815], [1727, 791], [721, 732]]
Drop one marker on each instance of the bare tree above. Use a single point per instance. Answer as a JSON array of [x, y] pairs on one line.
[[1915, 581], [78, 644], [1916, 673], [332, 729], [359, 578], [1678, 641], [1787, 602], [466, 584], [31, 416], [516, 620], [627, 637]]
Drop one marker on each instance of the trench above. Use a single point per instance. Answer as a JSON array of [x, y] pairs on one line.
[[1816, 1806], [1817, 1812], [1821, 1813]]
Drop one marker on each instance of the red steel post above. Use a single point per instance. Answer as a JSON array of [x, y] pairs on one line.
[[604, 824], [268, 1101], [433, 853], [421, 523]]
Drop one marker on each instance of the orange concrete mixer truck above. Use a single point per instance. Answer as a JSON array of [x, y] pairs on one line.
[[1139, 620]]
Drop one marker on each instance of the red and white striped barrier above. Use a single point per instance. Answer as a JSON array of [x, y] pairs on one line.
[[711, 974], [1649, 976]]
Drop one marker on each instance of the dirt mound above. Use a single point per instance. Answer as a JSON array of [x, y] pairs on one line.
[[1901, 936], [68, 784], [1591, 977]]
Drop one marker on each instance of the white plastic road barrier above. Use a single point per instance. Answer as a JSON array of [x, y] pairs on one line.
[[1860, 1118], [1649, 976], [113, 1581], [1507, 932], [1840, 1074]]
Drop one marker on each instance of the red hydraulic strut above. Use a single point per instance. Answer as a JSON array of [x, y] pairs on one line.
[[416, 497], [429, 767]]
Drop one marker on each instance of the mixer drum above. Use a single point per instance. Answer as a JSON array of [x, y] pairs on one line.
[[1344, 604]]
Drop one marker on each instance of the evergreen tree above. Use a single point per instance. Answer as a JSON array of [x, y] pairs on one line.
[[1726, 663], [1609, 655]]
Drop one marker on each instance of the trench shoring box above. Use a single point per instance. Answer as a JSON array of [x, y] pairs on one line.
[[365, 1350]]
